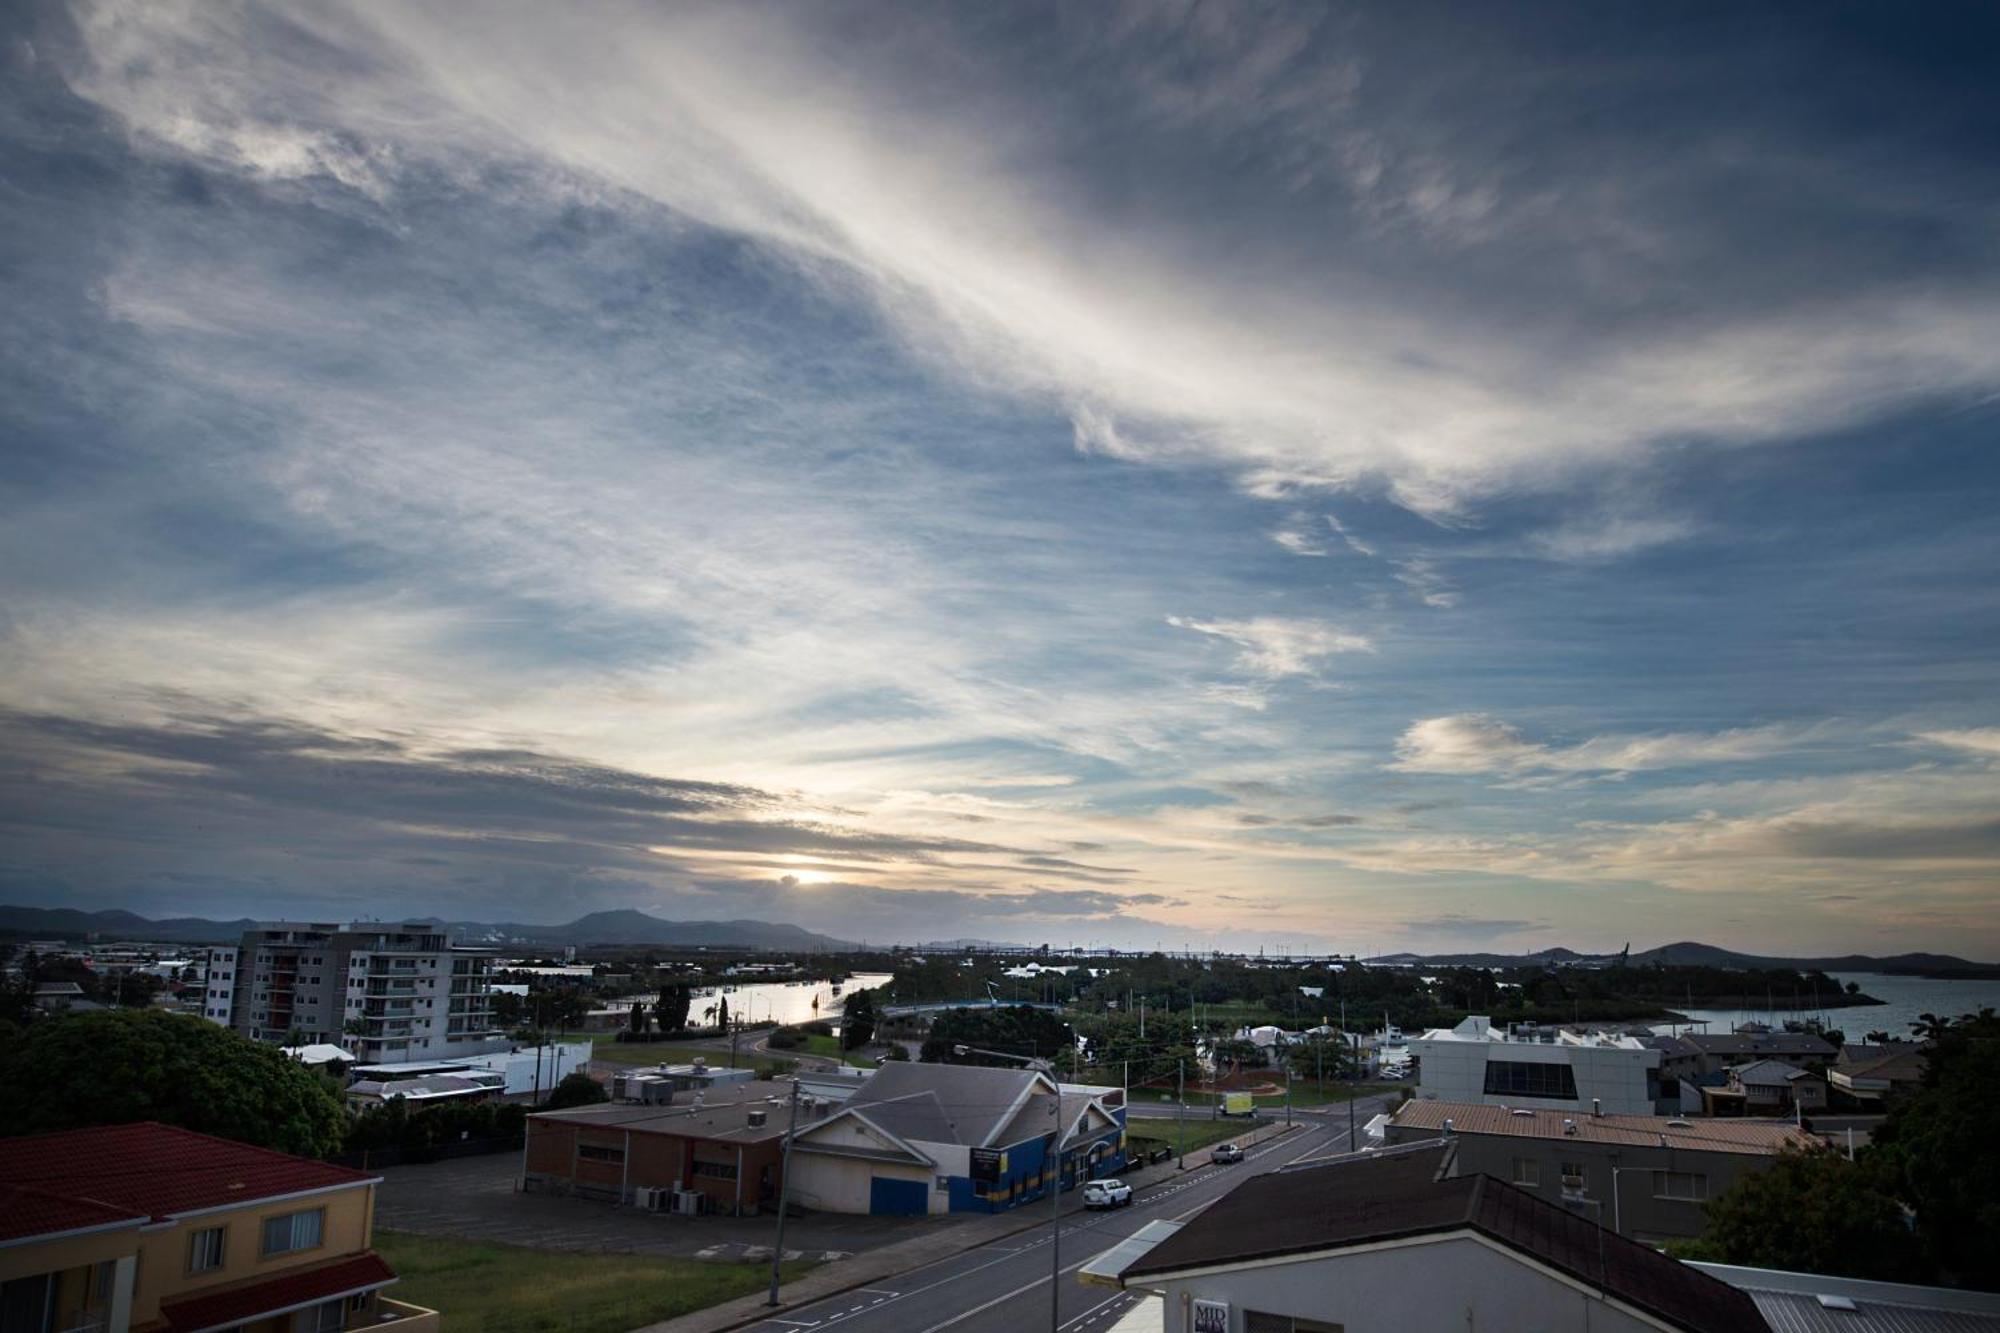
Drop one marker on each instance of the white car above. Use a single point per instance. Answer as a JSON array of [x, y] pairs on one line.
[[1107, 1194]]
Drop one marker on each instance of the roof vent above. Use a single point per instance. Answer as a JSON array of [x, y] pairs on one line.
[[1596, 1107], [1569, 1126], [1837, 1303], [1522, 1110], [757, 1119], [1678, 1123], [1447, 1126]]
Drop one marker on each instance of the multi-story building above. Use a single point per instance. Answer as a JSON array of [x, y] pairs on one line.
[[161, 1230], [388, 992], [1578, 1071]]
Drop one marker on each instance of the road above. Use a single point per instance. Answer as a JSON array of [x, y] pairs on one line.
[[1005, 1285]]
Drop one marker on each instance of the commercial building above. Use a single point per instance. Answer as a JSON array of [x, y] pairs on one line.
[[933, 1138], [387, 992], [725, 1148], [1810, 1303], [150, 1229], [1476, 1062], [1646, 1177], [1391, 1241]]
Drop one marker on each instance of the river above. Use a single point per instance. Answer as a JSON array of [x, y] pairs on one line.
[[783, 1002], [1904, 999]]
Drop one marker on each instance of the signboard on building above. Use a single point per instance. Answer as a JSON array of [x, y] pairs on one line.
[[1211, 1317], [989, 1164]]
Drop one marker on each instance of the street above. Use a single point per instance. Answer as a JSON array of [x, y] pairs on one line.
[[1004, 1285]]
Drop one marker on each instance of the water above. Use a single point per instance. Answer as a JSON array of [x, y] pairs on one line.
[[1906, 998], [784, 1002]]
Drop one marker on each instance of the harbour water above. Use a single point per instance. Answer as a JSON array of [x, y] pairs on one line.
[[1905, 999], [784, 1002]]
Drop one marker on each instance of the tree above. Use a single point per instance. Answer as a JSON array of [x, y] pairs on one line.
[[115, 1066], [722, 1012], [1938, 1144], [578, 1089], [638, 1021], [1816, 1212], [857, 1020], [671, 1013]]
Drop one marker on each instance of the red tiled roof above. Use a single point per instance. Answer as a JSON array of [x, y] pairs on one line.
[[159, 1170], [288, 1290], [26, 1213]]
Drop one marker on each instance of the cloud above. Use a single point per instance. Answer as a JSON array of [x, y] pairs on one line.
[[1473, 743], [1427, 583], [1275, 647], [945, 202], [1976, 740], [1458, 925]]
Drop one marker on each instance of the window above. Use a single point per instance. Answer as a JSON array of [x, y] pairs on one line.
[[598, 1152], [719, 1170], [1257, 1321], [326, 1317], [944, 1184], [205, 1250], [1528, 1171], [1687, 1185], [293, 1232], [1523, 1078]]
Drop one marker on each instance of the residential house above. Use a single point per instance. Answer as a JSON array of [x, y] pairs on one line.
[[1718, 1051], [1476, 1062], [1390, 1241], [934, 1138], [1647, 1177], [1767, 1087], [146, 1228], [1871, 1073]]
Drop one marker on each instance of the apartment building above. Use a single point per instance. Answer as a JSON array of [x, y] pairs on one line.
[[1577, 1071], [388, 992], [151, 1229]]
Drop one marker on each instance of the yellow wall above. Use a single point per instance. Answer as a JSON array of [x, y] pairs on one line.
[[163, 1251]]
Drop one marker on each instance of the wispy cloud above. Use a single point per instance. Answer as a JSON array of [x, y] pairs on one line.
[[1276, 647], [1471, 743]]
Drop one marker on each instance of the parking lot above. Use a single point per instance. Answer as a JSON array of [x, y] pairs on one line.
[[473, 1198]]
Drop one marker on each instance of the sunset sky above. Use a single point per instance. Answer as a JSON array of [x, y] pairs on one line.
[[1361, 478]]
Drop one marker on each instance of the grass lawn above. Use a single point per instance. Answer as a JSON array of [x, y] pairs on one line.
[[662, 1053], [485, 1288], [1305, 1094], [1201, 1131], [830, 1048]]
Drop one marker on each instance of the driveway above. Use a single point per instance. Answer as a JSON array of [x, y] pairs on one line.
[[473, 1198]]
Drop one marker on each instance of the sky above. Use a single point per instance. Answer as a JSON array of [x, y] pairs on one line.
[[1150, 475]]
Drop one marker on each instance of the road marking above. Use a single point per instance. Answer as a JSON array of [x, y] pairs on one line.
[[795, 1323], [1091, 1313]]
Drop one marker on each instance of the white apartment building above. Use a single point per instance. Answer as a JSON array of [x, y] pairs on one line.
[[388, 992], [1579, 1071]]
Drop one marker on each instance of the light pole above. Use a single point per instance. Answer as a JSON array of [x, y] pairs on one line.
[[1055, 1174], [784, 1191]]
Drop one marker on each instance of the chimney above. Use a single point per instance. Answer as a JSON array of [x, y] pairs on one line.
[[1596, 1107]]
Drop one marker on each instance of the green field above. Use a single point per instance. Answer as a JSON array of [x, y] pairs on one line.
[[1201, 1131], [663, 1053], [484, 1288]]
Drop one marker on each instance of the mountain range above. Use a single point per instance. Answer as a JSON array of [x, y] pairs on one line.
[[1689, 954], [622, 927]]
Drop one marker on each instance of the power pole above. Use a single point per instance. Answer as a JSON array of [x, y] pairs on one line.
[[1180, 1110], [1055, 1219], [1352, 1146], [784, 1190]]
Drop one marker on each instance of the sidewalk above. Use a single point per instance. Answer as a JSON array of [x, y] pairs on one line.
[[950, 1238]]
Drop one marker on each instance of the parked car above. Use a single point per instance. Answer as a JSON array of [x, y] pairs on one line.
[[1225, 1153], [1107, 1194]]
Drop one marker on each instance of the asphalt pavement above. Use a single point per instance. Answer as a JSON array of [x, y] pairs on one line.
[[1004, 1285]]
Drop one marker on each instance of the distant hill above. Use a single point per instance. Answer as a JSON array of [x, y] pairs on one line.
[[1690, 954], [623, 927]]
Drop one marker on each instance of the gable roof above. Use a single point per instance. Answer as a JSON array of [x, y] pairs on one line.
[[976, 1101], [159, 1171], [1895, 1060], [1768, 1073], [1403, 1193], [1760, 1043]]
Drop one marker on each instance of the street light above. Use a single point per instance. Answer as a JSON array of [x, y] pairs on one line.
[[1055, 1178]]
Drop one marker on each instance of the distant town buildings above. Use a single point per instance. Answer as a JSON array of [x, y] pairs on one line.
[[387, 992], [1557, 1069]]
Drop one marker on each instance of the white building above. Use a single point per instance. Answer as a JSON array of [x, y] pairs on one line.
[[1477, 1062], [386, 991]]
